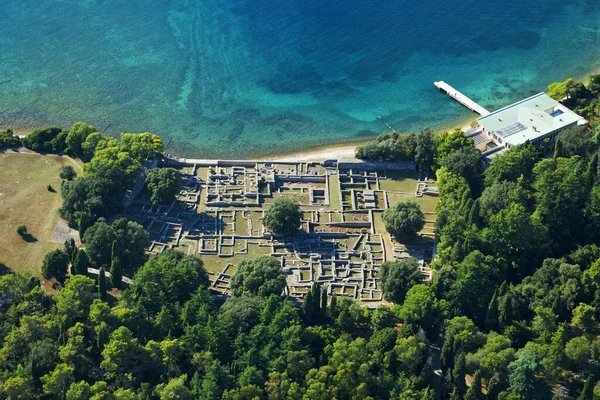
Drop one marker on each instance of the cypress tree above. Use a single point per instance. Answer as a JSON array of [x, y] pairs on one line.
[[458, 375], [116, 272], [506, 314], [588, 388], [558, 149], [102, 283], [466, 196], [82, 263], [502, 289], [447, 354], [332, 306], [494, 387], [491, 319], [68, 247], [73, 255], [115, 250], [316, 305], [474, 217], [324, 305], [307, 307], [467, 208], [593, 169], [83, 223], [474, 391]]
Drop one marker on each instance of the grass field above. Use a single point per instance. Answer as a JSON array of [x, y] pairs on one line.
[[25, 199]]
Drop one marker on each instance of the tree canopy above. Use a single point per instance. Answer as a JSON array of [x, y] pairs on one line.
[[258, 276], [404, 220], [283, 216]]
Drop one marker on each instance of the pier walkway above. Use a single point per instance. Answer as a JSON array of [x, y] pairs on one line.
[[461, 98]]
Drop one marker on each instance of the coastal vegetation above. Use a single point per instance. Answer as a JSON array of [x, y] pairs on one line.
[[511, 311]]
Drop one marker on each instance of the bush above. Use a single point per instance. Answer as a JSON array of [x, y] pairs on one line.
[[67, 173], [22, 230], [7, 139], [55, 265], [404, 220], [42, 140], [283, 217]]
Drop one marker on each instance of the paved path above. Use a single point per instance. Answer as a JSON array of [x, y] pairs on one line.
[[94, 271]]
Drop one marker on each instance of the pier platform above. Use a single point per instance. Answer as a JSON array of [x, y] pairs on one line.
[[461, 98]]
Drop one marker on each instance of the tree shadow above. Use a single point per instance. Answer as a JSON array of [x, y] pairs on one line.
[[4, 270], [29, 238]]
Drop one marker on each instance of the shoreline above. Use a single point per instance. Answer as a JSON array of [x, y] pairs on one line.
[[345, 150]]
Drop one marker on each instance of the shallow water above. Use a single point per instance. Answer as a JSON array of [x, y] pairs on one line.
[[243, 78]]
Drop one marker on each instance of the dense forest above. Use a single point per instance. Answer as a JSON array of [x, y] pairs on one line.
[[512, 311]]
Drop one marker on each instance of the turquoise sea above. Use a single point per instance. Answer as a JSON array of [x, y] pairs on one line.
[[243, 78]]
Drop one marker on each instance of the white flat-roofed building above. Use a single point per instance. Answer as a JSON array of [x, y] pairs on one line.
[[534, 119]]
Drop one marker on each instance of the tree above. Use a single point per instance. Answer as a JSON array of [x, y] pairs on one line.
[[67, 173], [22, 230], [471, 293], [578, 351], [523, 377], [82, 263], [512, 164], [172, 277], [175, 389], [102, 283], [449, 142], [55, 265], [518, 237], [575, 141], [41, 139], [76, 136], [593, 169], [561, 192], [283, 216], [467, 163], [404, 220], [584, 318], [592, 215], [424, 148], [398, 277], [458, 375], [116, 272], [262, 276], [558, 90], [474, 391], [131, 236], [498, 197], [163, 184], [491, 318], [90, 143], [58, 381]]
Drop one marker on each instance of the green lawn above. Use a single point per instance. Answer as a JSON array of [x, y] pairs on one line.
[[400, 181], [334, 192], [427, 203]]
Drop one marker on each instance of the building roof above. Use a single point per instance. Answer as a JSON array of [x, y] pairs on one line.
[[529, 119]]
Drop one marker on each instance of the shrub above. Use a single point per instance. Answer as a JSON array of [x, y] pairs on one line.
[[67, 173], [22, 230]]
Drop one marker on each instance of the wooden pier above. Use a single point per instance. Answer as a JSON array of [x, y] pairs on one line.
[[461, 98]]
